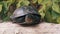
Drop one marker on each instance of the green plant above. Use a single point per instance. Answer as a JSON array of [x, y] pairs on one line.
[[48, 9]]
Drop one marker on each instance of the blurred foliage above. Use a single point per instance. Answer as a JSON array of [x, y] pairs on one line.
[[48, 9]]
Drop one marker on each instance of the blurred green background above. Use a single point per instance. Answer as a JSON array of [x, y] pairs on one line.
[[48, 9]]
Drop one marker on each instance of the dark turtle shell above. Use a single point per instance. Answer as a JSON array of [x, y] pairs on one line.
[[26, 15], [23, 11]]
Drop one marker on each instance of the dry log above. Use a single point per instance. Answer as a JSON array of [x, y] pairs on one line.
[[42, 28]]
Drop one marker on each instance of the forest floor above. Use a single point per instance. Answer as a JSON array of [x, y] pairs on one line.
[[42, 28]]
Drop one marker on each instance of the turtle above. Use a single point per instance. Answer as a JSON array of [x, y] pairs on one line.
[[26, 15]]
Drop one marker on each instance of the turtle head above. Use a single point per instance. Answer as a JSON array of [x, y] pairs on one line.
[[29, 18]]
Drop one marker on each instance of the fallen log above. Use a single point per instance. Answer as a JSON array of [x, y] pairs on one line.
[[42, 28]]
